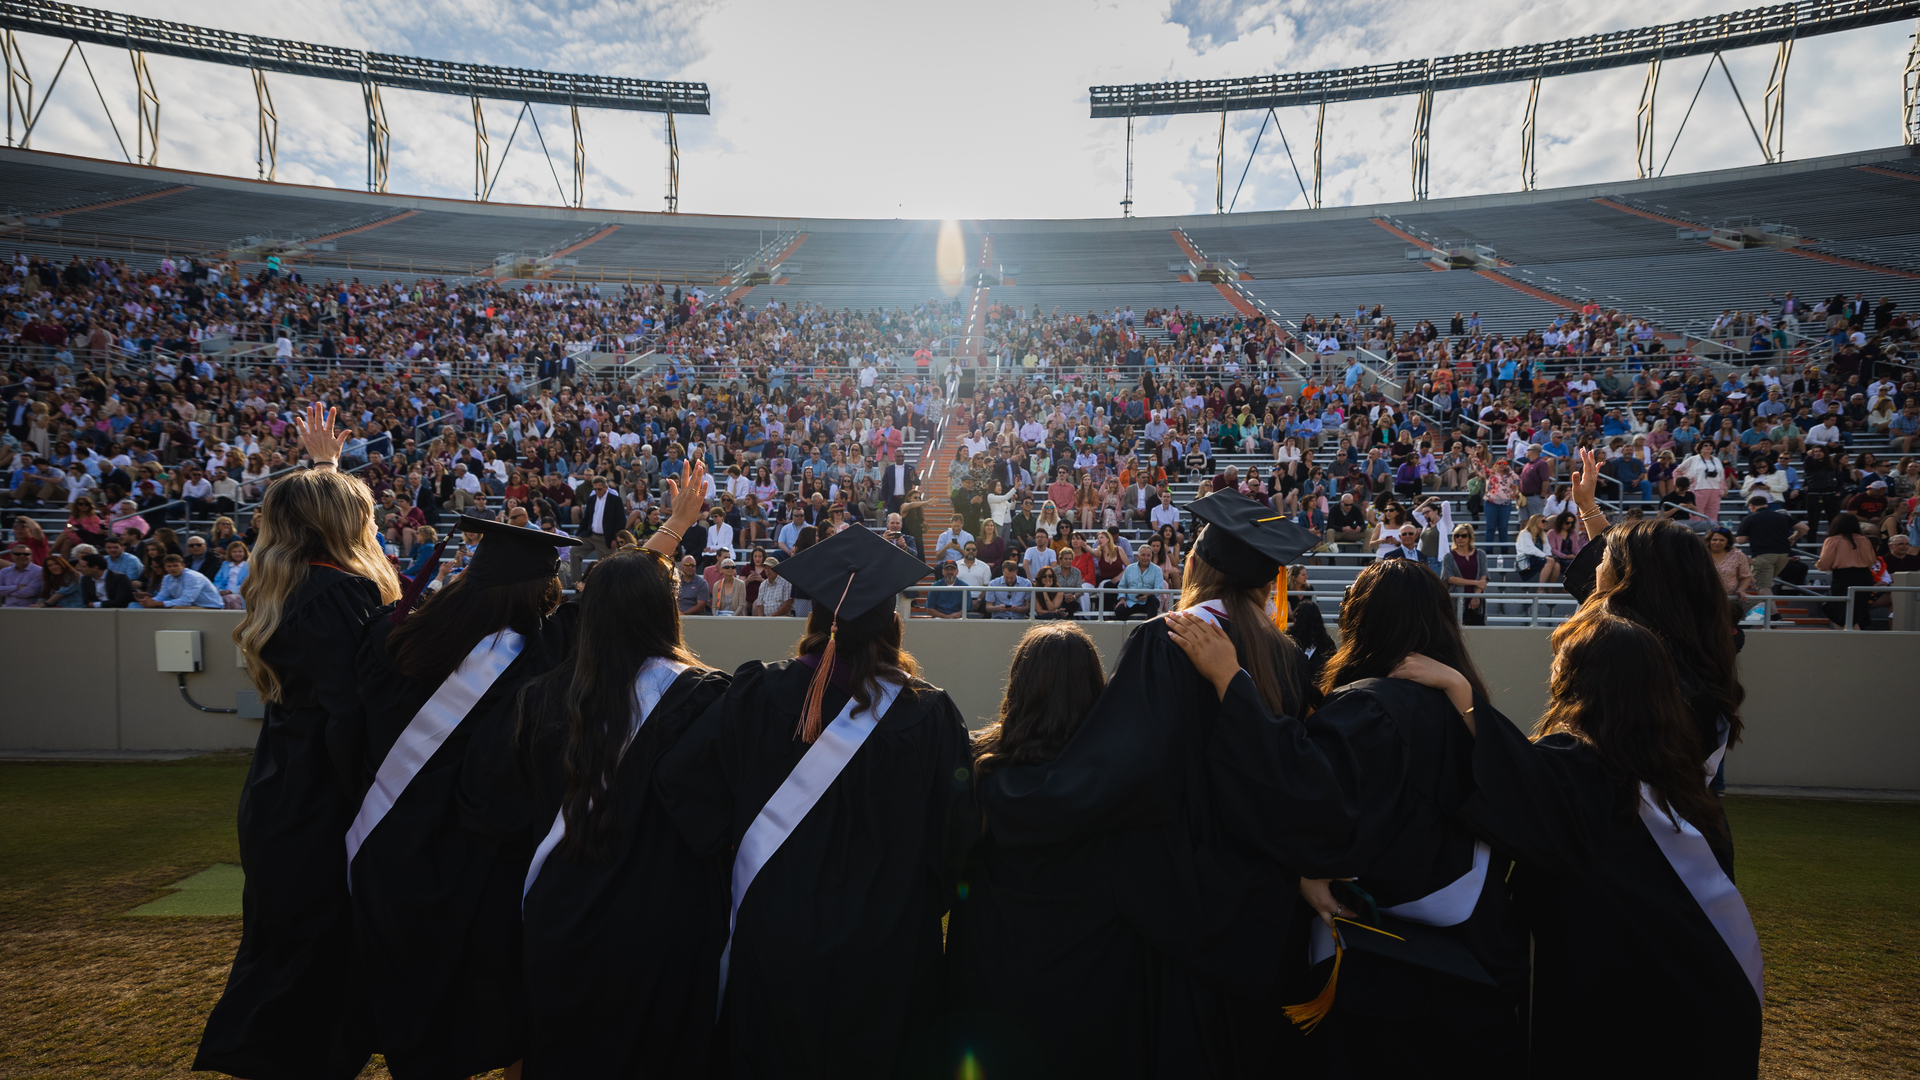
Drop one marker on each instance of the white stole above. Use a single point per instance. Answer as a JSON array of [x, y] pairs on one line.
[[1692, 858], [429, 728], [1449, 905], [803, 787], [649, 686]]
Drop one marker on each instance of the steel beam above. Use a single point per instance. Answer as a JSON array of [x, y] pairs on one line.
[[1417, 147], [1319, 136], [1529, 170], [379, 140], [93, 25], [1910, 93], [1595, 52], [579, 162], [19, 85], [673, 166], [482, 152], [1126, 194], [1774, 106], [1220, 169], [1643, 122], [146, 137], [267, 153]]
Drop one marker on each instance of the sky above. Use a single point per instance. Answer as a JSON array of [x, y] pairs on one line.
[[923, 110]]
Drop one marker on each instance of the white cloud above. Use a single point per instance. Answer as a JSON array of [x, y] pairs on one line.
[[922, 110]]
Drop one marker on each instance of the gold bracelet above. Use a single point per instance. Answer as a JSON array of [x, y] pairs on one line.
[[670, 532]]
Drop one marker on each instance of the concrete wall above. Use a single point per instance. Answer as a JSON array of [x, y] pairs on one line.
[[1823, 709]]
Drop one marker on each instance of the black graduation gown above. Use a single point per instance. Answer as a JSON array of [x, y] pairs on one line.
[[1225, 807], [622, 957], [436, 886], [1411, 759], [1629, 975], [289, 1009], [837, 966]]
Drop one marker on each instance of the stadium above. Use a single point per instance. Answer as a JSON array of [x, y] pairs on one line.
[[1026, 405]]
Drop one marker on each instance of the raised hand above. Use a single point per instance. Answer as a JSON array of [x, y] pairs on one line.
[[321, 439]]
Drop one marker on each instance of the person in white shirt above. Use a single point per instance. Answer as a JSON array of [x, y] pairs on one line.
[[1825, 433], [1164, 514], [971, 571], [719, 537], [1038, 556]]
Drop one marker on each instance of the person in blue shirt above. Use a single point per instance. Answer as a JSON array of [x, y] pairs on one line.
[[1556, 447], [1142, 574], [119, 561], [183, 588], [1007, 603]]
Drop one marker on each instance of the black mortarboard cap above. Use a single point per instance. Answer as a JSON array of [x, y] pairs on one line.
[[1413, 943], [1246, 541], [509, 553], [854, 563]]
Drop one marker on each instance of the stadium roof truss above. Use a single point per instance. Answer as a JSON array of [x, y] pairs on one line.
[[1779, 25], [371, 70]]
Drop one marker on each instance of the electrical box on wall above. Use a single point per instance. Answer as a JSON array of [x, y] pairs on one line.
[[177, 650]]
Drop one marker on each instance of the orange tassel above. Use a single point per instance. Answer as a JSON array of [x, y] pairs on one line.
[[1307, 1016], [809, 728], [1280, 608]]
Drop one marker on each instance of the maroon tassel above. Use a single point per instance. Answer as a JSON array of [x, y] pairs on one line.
[[417, 585]]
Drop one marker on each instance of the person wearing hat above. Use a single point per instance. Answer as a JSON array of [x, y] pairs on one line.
[[623, 921], [1182, 826], [840, 783], [435, 884]]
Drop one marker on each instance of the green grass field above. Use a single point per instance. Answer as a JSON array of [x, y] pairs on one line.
[[92, 991]]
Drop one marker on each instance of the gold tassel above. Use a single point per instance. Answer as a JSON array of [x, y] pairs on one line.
[[1280, 608], [809, 728], [1307, 1016]]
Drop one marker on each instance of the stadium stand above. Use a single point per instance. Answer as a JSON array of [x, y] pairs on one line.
[[161, 326]]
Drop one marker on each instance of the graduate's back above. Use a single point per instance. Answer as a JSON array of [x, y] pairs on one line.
[[835, 966]]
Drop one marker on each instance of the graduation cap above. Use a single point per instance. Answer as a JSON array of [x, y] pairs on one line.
[[862, 571], [509, 553], [1246, 541], [1398, 940]]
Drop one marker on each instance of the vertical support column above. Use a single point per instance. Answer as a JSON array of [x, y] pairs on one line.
[[1220, 166], [267, 153], [19, 85], [482, 152], [379, 141], [1909, 93], [1126, 195], [673, 164], [1422, 119], [147, 136], [1774, 106], [1529, 169], [1643, 122], [1319, 134], [579, 161]]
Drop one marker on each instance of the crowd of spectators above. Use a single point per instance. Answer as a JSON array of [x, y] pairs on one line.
[[465, 400], [476, 398]]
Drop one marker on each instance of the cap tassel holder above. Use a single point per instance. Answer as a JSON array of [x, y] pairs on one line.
[[1307, 1015], [809, 727]]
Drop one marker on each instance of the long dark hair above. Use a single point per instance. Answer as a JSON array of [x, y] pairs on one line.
[[1271, 659], [1659, 574], [1052, 684], [443, 628], [1615, 689], [867, 648], [631, 615], [1395, 608]]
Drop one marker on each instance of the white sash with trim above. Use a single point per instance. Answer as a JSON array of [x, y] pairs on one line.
[[429, 728], [1449, 905], [656, 675], [1692, 858], [803, 787]]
